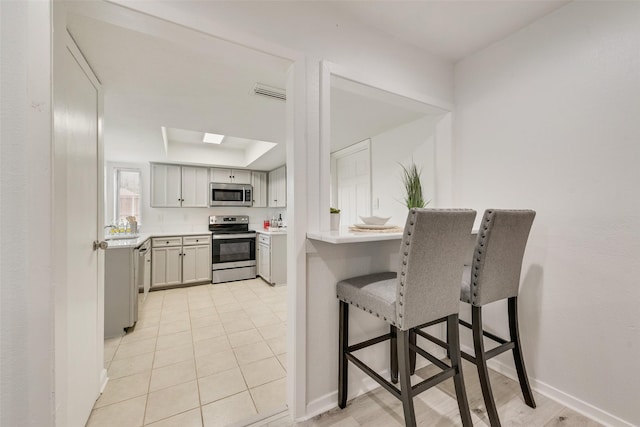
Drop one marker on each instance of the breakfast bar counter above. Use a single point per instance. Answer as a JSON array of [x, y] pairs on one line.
[[345, 235]]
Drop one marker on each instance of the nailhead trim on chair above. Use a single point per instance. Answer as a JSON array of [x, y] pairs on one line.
[[478, 252], [407, 244], [364, 309]]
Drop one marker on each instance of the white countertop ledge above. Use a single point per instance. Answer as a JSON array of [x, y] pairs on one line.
[[346, 236], [136, 241], [273, 231]]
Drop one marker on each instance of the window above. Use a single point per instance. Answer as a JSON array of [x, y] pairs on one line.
[[127, 194]]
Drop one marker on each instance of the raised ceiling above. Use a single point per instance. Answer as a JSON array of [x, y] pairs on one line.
[[156, 74]]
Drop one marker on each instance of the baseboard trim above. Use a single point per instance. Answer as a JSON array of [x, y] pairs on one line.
[[571, 402], [104, 379], [330, 400]]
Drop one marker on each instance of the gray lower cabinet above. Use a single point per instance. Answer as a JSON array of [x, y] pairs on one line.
[[180, 260], [272, 258]]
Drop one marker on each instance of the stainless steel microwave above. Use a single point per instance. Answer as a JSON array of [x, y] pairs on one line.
[[221, 194]]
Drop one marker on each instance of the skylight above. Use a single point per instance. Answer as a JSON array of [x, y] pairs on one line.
[[212, 138]]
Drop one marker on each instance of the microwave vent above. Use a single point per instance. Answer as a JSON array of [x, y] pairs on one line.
[[270, 92]]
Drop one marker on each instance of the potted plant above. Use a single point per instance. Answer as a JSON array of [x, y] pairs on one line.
[[413, 188], [335, 219]]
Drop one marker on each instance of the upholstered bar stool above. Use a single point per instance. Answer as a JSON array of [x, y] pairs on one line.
[[494, 274], [426, 289]]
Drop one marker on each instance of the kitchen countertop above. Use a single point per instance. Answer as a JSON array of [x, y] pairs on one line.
[[138, 240], [273, 231]]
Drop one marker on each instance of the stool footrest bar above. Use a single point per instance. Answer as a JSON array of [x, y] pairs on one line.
[[433, 339], [439, 363], [367, 343], [485, 333], [373, 374], [499, 350], [434, 380]]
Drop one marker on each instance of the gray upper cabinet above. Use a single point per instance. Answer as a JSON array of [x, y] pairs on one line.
[[166, 186], [195, 187], [259, 184], [278, 188], [230, 176], [174, 186]]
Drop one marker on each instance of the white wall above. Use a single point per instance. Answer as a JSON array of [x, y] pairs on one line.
[[414, 141], [26, 297], [313, 29], [548, 119]]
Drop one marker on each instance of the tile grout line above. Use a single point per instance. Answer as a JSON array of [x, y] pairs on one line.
[[240, 368], [195, 363], [153, 361]]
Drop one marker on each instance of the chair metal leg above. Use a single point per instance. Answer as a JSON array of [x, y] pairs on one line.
[[481, 364], [412, 354], [453, 339], [451, 325], [404, 359], [343, 338], [517, 353], [393, 356]]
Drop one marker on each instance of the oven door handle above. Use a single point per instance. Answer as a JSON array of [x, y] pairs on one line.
[[233, 236]]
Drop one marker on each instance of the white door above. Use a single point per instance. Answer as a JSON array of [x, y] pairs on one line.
[[352, 168], [77, 168]]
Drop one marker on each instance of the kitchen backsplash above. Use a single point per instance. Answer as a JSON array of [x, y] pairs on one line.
[[197, 219]]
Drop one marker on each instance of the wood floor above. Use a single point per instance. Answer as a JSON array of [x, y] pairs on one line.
[[437, 407]]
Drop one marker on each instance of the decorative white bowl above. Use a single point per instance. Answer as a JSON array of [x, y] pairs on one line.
[[375, 220]]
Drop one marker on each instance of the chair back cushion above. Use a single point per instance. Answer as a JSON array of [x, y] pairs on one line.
[[431, 261], [497, 258]]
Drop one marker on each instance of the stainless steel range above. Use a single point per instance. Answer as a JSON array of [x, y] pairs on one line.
[[233, 248]]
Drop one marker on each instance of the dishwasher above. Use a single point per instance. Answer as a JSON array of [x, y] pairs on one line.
[[143, 269]]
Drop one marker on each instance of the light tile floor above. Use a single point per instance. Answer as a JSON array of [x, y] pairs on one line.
[[208, 355]]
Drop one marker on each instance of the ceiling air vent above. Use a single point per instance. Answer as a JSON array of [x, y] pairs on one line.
[[269, 91]]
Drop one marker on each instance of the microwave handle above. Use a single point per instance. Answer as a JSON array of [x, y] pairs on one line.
[[244, 194]]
